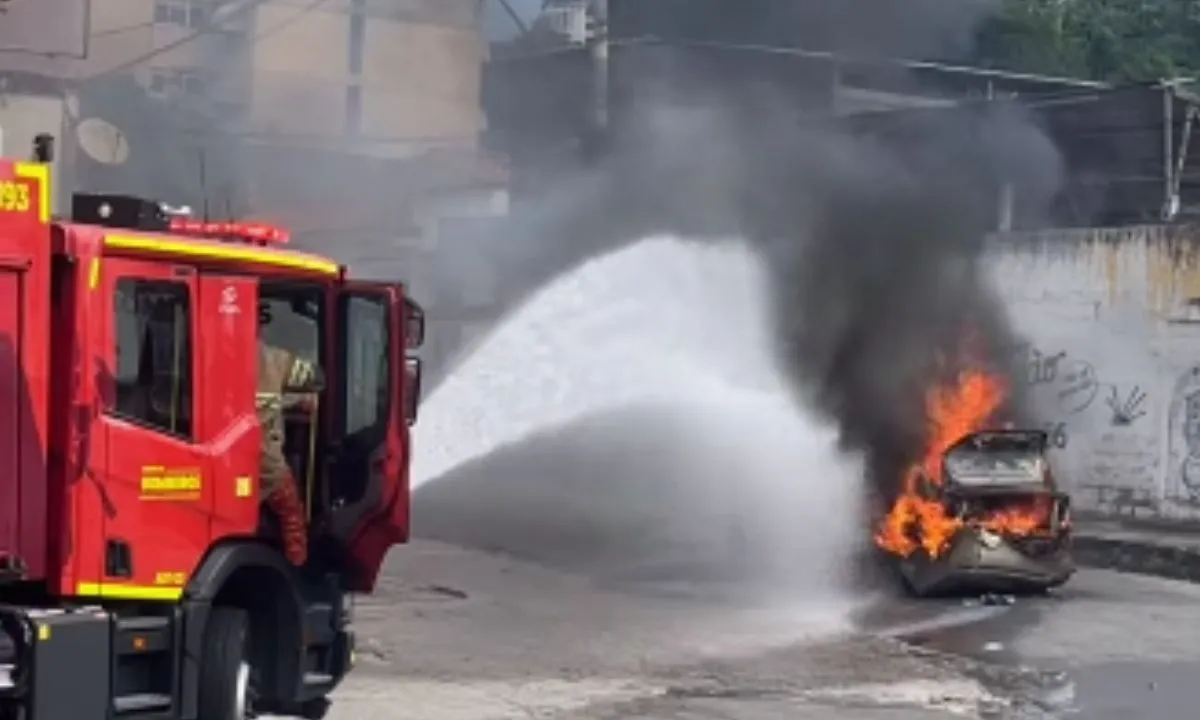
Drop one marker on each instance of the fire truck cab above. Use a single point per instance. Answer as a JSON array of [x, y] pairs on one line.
[[139, 575]]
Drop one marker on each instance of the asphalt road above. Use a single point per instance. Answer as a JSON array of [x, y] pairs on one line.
[[653, 587], [459, 634], [1107, 646]]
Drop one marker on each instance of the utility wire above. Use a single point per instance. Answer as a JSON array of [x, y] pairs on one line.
[[207, 27], [235, 7], [514, 16], [284, 24]]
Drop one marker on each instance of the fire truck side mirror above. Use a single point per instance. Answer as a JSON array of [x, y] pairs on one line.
[[43, 148], [412, 388], [414, 325]]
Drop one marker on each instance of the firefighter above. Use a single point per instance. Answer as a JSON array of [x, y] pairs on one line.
[[285, 382]]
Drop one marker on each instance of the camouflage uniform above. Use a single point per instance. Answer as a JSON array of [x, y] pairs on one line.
[[284, 381]]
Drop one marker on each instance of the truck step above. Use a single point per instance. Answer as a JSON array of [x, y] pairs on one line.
[[147, 623], [127, 704], [6, 681], [142, 635], [317, 678], [319, 622]]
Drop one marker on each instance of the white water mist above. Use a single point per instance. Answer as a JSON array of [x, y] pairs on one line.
[[632, 410]]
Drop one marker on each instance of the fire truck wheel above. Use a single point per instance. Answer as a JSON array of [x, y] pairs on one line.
[[224, 671]]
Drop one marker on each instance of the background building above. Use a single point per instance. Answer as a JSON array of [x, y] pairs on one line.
[[355, 123], [358, 81], [399, 72]]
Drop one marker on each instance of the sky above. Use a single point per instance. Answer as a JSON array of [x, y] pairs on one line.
[[497, 24]]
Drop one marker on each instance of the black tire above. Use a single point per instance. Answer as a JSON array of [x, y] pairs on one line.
[[224, 670]]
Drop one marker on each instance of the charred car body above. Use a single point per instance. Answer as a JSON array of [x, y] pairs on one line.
[[1009, 525]]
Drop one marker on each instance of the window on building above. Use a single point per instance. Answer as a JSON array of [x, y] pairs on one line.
[[186, 13], [153, 372], [174, 83]]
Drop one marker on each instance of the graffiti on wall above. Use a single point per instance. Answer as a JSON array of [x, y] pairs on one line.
[[1184, 437], [1071, 381], [1058, 437], [1078, 387], [1041, 368], [1066, 385], [1102, 432], [1127, 407]]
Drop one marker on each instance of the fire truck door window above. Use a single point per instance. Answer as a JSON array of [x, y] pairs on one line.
[[153, 371], [367, 379]]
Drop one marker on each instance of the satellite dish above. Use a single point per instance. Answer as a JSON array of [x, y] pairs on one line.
[[102, 141]]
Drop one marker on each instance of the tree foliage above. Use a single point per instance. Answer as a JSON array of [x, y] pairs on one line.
[[1110, 40]]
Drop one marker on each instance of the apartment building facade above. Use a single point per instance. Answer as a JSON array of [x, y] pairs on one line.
[[360, 81], [393, 70], [355, 123]]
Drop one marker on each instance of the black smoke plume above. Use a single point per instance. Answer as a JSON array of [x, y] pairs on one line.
[[874, 226], [881, 290]]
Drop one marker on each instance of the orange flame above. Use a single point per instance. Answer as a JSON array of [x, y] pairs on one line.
[[916, 520], [1024, 518]]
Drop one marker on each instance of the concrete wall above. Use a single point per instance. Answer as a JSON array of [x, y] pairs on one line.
[[41, 36], [1112, 362]]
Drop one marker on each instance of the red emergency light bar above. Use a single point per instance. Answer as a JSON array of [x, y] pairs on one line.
[[251, 232]]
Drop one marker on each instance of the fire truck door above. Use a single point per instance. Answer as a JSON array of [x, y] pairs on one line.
[[227, 318], [156, 481], [368, 478]]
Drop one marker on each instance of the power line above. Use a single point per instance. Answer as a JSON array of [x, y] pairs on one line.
[[229, 8], [208, 26], [284, 24], [514, 16]]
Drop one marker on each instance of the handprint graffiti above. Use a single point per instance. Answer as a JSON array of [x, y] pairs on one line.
[[1128, 408]]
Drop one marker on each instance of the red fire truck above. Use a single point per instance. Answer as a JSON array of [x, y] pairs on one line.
[[139, 576]]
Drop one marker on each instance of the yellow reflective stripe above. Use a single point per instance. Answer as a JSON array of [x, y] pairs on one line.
[[268, 401], [223, 252], [40, 174], [118, 591], [301, 373], [295, 375]]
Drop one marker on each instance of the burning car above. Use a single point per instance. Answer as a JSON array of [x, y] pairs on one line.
[[1011, 525], [981, 511]]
